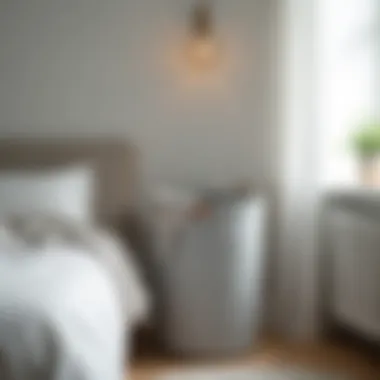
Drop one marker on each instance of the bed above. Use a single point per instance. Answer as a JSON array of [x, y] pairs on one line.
[[70, 292]]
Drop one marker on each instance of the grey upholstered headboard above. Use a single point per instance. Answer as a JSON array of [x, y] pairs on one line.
[[114, 163]]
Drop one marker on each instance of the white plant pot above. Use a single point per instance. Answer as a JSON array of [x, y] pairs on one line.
[[369, 171]]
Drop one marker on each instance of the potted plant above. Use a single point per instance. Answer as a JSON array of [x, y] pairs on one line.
[[366, 144]]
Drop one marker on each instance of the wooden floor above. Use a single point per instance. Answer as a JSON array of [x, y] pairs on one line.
[[333, 357]]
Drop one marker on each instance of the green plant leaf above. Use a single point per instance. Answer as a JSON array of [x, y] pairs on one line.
[[365, 141]]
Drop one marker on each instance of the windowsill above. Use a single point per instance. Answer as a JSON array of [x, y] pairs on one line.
[[358, 190], [362, 199]]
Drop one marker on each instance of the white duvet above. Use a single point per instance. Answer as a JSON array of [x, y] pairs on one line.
[[68, 297]]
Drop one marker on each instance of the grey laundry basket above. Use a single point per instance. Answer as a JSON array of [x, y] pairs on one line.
[[213, 281]]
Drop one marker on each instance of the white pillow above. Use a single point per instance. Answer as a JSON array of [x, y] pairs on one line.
[[68, 192]]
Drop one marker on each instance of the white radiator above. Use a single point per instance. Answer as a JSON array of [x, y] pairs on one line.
[[355, 243]]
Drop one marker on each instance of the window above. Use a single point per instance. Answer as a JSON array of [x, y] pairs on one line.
[[348, 55]]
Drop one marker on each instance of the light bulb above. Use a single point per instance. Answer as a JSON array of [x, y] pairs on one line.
[[203, 52]]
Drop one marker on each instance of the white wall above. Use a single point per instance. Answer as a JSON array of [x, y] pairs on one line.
[[110, 67], [86, 67]]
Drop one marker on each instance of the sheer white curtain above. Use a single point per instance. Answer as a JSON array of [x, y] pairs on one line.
[[328, 75], [299, 164]]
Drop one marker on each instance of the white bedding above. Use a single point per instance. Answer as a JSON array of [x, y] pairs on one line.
[[68, 296]]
